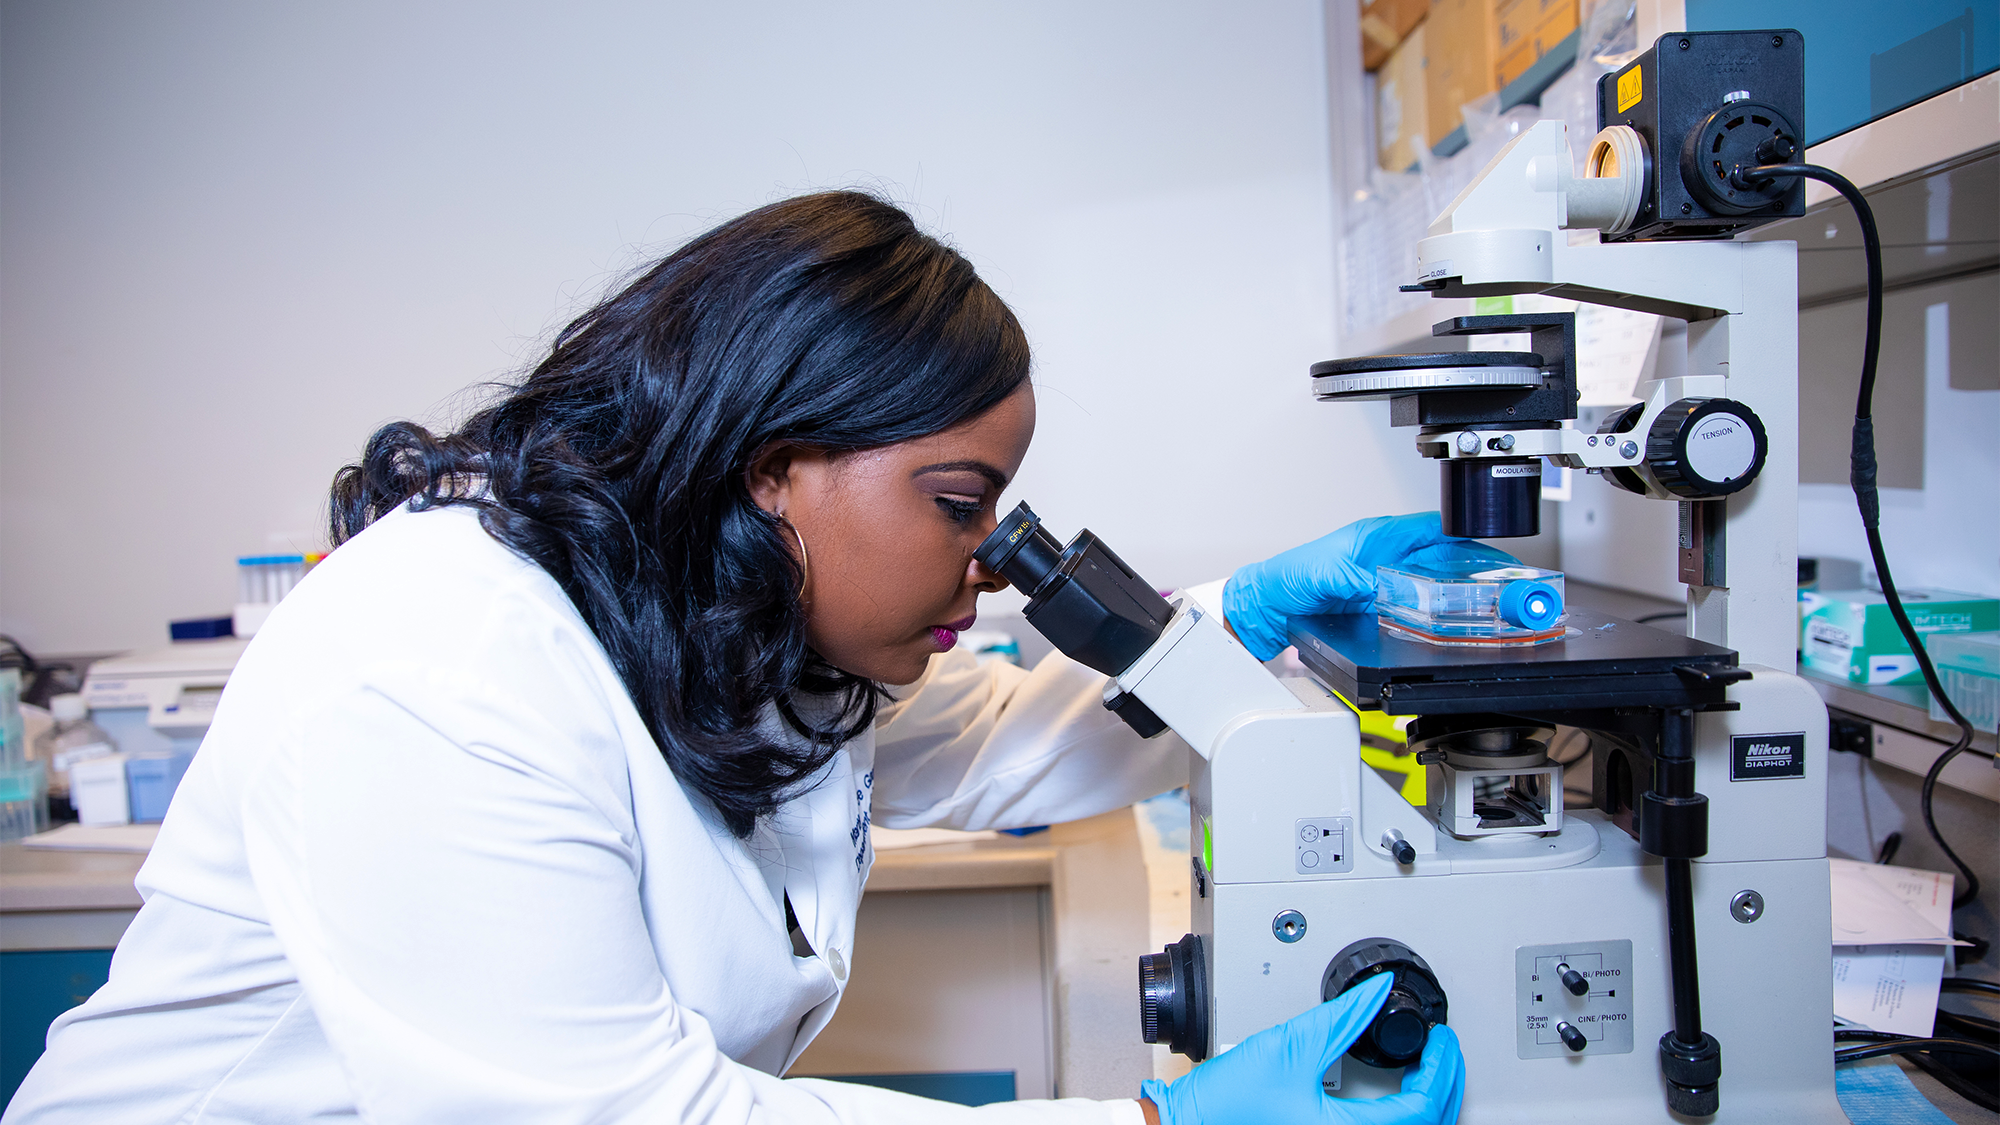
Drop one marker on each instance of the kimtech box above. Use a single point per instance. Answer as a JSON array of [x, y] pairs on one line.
[[1850, 635]]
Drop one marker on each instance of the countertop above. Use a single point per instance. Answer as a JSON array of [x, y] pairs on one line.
[[38, 879], [34, 879]]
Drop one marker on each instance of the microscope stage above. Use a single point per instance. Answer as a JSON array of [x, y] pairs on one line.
[[1602, 662]]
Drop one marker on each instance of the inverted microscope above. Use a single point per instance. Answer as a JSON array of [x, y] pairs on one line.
[[1662, 954]]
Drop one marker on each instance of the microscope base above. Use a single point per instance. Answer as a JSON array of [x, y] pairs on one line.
[[1493, 938]]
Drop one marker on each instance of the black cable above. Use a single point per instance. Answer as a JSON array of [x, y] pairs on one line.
[[1927, 1055], [1890, 843], [1980, 1094], [1660, 616], [13, 655], [1968, 1026], [1966, 1080], [1971, 954], [1969, 984], [1901, 1046], [1861, 475]]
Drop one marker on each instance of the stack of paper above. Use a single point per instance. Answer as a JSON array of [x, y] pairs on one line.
[[892, 839], [1891, 934], [110, 838]]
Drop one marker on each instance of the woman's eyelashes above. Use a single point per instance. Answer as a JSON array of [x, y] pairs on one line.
[[960, 511]]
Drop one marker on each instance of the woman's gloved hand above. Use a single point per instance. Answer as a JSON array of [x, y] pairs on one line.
[[1334, 574], [1274, 1075]]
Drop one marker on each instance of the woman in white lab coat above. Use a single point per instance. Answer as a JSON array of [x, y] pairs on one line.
[[507, 812]]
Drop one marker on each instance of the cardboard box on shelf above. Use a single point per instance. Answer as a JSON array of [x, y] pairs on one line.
[[1463, 53], [1520, 18], [1400, 115], [1849, 634], [1528, 30], [1385, 24]]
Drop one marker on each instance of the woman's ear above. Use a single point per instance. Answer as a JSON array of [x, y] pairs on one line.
[[769, 476], [777, 473]]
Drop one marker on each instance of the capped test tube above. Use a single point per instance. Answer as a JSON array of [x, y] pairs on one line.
[[262, 581]]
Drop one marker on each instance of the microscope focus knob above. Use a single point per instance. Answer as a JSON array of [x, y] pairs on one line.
[[1573, 980], [1173, 998], [1571, 1037], [1397, 1034], [1399, 1030], [1701, 448]]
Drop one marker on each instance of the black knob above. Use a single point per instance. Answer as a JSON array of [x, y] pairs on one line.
[[1400, 1029], [1397, 1034], [1777, 149], [1572, 1038], [1573, 981], [1700, 448], [1405, 852], [1693, 1072], [1173, 998]]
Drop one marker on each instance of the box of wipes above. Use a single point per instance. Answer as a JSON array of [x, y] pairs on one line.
[[1850, 635]]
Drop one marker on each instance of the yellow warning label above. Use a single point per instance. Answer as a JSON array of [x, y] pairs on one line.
[[1628, 89]]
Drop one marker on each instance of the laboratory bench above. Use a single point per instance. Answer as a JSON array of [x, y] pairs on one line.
[[61, 913], [986, 969]]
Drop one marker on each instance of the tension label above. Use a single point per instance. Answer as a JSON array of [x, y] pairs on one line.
[[1759, 757]]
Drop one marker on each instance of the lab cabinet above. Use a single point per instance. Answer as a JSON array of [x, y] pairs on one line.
[[36, 986], [61, 915], [950, 998]]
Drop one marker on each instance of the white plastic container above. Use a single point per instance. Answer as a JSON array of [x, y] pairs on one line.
[[97, 788], [72, 739]]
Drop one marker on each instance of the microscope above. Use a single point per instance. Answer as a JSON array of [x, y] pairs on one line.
[[1662, 954]]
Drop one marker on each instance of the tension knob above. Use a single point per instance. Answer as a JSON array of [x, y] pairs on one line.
[[1701, 448]]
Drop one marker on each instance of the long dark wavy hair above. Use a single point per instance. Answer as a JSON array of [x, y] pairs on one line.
[[618, 464]]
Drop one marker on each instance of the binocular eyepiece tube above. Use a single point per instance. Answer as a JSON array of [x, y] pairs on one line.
[[1082, 596]]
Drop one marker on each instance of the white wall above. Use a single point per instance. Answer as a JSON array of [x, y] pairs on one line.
[[1947, 533], [236, 237]]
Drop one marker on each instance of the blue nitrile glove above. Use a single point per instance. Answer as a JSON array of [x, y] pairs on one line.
[[1274, 1075], [1334, 574]]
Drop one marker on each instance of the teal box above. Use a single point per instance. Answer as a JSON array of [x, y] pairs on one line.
[[1850, 634]]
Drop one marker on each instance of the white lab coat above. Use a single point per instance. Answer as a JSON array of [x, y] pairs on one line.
[[429, 867]]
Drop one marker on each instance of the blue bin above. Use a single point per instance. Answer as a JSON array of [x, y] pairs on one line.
[[150, 780]]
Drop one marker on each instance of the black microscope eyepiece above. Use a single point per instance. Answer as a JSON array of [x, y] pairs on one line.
[[1020, 551]]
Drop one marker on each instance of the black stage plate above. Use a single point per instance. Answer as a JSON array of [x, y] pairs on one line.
[[1606, 662]]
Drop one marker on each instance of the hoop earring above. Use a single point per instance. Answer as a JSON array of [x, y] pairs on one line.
[[805, 560]]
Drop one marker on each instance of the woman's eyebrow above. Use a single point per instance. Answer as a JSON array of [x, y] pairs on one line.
[[998, 478]]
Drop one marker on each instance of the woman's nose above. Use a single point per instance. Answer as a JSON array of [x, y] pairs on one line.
[[984, 580]]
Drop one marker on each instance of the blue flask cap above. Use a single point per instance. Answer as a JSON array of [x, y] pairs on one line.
[[1530, 604]]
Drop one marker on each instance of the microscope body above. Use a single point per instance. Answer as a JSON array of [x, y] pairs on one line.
[[1295, 863], [1559, 943]]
